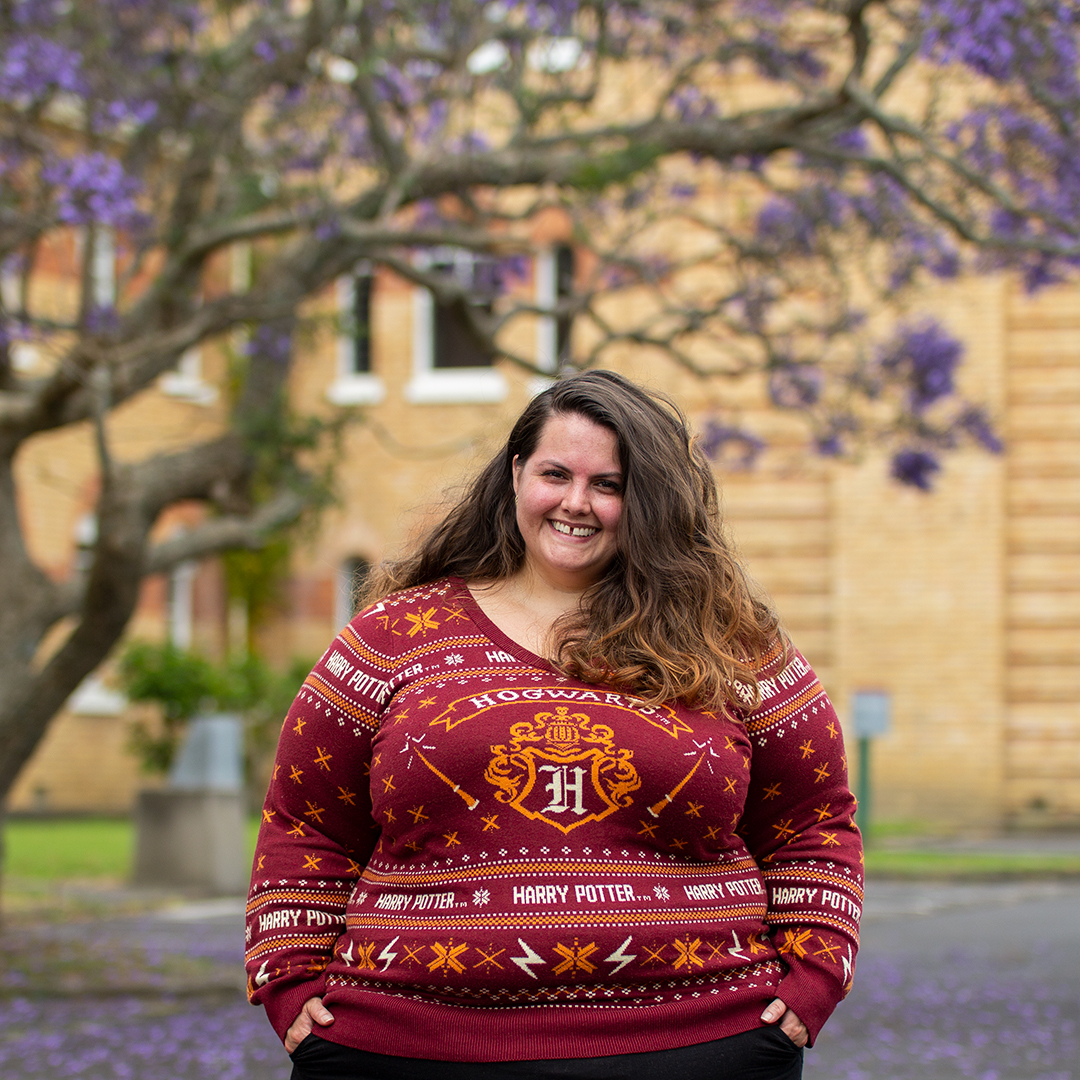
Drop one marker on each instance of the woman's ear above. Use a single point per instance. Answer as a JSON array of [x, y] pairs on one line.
[[515, 472]]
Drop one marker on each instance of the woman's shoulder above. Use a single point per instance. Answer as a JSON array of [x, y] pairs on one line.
[[441, 591]]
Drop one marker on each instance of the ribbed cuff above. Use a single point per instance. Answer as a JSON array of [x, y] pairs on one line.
[[810, 994], [283, 1006]]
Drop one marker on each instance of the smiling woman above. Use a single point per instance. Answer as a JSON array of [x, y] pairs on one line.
[[569, 499], [542, 777]]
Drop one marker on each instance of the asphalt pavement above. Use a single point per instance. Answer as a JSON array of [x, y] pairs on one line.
[[954, 980], [961, 980]]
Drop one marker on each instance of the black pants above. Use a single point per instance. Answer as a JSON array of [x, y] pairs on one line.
[[765, 1053]]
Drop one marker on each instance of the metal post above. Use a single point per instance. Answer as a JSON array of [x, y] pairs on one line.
[[862, 793], [871, 713]]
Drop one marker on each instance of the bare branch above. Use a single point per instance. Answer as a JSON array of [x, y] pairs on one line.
[[226, 534]]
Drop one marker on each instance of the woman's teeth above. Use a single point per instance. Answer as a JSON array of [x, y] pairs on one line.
[[574, 530]]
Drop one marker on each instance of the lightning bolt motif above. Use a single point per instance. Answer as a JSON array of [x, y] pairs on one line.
[[261, 978], [387, 955], [346, 954], [380, 606], [738, 950], [525, 962], [621, 956], [849, 971]]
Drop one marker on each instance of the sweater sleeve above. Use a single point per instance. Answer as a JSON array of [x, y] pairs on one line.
[[317, 830], [798, 824]]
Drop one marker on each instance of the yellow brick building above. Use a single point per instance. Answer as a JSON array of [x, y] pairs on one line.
[[963, 605]]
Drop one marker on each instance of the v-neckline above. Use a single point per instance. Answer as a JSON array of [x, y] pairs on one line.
[[496, 633]]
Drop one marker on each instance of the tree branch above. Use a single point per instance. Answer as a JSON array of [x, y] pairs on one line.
[[226, 533]]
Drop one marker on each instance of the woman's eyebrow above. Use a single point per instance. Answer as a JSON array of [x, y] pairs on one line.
[[566, 468]]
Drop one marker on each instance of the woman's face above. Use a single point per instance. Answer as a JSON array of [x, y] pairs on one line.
[[569, 499]]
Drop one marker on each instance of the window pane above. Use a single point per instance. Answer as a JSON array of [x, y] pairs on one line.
[[361, 356], [564, 287], [455, 344]]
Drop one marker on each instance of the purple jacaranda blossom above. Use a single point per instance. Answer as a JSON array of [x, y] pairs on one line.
[[120, 113], [271, 342], [690, 104], [783, 226], [33, 66], [41, 13], [829, 445], [101, 319], [915, 468], [795, 386], [975, 423], [997, 38], [924, 357], [720, 437], [93, 187]]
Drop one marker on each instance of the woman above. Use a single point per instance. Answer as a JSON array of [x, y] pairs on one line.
[[561, 801]]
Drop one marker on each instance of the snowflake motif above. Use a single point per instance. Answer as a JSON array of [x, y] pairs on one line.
[[661, 893], [453, 658], [481, 897]]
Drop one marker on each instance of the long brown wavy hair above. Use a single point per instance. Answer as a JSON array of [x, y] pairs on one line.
[[675, 616]]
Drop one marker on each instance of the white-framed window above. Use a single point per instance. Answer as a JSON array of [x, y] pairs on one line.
[[554, 282], [103, 268], [182, 604], [186, 381], [24, 356], [449, 365], [349, 580], [356, 382], [94, 697]]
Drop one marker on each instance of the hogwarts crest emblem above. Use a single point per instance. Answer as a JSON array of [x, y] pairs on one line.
[[562, 769]]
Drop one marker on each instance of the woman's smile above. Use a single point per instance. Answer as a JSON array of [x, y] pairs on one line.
[[569, 501]]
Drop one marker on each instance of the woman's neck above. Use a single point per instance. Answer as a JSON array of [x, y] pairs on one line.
[[526, 608]]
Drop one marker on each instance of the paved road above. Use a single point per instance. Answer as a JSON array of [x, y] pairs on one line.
[[953, 981]]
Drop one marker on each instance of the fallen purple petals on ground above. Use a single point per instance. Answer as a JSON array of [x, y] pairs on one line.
[[950, 1017], [129, 1038], [960, 1017]]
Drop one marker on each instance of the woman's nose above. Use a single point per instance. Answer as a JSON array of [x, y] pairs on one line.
[[576, 499]]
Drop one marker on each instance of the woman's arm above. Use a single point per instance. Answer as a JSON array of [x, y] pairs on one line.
[[798, 824], [317, 831]]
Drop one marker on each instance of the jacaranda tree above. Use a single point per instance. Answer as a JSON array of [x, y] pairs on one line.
[[766, 177]]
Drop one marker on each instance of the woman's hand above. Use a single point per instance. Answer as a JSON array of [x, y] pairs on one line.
[[790, 1024], [313, 1012]]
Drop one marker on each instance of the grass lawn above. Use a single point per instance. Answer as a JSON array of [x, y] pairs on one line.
[[68, 848], [73, 848], [968, 865]]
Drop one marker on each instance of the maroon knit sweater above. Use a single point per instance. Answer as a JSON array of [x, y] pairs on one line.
[[471, 857]]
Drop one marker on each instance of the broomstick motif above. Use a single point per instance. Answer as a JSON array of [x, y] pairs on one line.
[[655, 810], [470, 802]]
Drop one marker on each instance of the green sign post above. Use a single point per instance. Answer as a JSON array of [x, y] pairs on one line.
[[872, 715]]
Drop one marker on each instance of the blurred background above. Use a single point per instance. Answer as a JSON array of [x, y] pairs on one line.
[[278, 276]]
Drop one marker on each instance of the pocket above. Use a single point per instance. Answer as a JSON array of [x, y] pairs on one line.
[[308, 1048], [779, 1037]]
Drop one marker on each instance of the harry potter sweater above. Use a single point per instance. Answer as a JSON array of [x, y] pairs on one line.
[[471, 857]]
